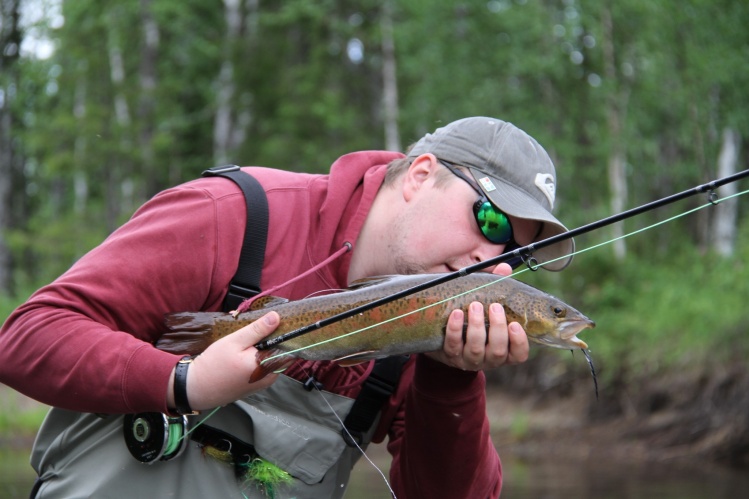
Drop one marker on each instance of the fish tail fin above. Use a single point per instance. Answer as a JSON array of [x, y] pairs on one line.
[[189, 332], [270, 361]]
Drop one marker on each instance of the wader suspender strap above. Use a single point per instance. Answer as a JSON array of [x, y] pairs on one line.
[[246, 282], [386, 373], [375, 391]]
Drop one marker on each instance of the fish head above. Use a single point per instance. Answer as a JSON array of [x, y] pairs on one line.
[[551, 322]]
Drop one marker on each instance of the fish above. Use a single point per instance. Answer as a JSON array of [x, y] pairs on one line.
[[383, 331]]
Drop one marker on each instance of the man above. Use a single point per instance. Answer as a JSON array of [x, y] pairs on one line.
[[84, 344]]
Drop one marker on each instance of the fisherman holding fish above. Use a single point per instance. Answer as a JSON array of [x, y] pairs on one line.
[[88, 343]]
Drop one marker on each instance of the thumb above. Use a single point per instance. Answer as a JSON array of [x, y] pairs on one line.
[[251, 334], [502, 269]]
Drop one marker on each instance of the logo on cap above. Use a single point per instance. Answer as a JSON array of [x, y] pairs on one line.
[[487, 184], [545, 182]]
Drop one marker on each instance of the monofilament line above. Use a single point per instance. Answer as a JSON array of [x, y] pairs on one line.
[[352, 439], [524, 252], [517, 272]]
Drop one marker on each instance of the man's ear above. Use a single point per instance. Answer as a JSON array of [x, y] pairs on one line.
[[423, 168]]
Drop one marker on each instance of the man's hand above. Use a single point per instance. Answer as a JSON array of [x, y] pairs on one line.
[[502, 344], [221, 373]]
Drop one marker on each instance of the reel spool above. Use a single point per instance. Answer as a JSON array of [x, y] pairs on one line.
[[152, 436]]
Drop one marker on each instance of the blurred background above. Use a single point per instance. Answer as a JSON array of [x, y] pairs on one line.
[[104, 103]]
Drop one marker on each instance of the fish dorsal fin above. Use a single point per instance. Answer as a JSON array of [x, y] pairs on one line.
[[356, 358], [324, 292], [268, 302], [369, 281]]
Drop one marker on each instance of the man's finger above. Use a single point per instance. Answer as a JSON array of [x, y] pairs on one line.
[[251, 334], [502, 269]]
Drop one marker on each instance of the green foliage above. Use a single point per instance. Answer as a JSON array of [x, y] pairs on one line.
[[674, 70], [21, 423], [20, 417], [7, 305], [520, 425], [56, 244], [305, 101]]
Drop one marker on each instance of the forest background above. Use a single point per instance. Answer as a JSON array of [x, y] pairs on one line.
[[104, 103]]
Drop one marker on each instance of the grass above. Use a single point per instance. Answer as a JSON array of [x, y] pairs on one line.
[[20, 417], [520, 425]]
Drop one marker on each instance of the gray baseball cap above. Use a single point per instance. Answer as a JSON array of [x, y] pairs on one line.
[[513, 170]]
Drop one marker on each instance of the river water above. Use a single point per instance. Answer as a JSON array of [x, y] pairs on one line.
[[574, 479], [558, 479]]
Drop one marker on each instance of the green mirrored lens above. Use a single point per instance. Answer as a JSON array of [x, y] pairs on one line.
[[494, 224]]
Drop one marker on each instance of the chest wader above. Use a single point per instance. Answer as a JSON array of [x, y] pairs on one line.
[[290, 424]]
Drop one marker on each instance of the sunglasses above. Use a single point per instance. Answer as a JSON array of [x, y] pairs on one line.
[[493, 223]]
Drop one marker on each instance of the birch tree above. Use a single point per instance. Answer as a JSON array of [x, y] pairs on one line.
[[389, 79], [724, 216], [616, 104], [148, 81], [10, 45]]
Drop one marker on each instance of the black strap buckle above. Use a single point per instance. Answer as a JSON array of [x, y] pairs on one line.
[[220, 170], [237, 294], [312, 384]]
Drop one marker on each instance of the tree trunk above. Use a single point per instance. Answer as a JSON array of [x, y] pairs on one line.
[[147, 101], [724, 216], [80, 149], [10, 43], [118, 177], [117, 74], [389, 81], [615, 105], [231, 120]]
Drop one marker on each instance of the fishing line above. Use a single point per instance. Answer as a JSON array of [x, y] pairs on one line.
[[592, 369], [153, 436], [525, 253], [351, 437], [214, 411], [528, 268], [176, 437], [713, 201]]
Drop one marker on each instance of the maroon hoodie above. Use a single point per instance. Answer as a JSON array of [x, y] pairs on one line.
[[84, 342]]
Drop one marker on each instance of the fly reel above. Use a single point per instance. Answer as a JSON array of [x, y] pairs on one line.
[[153, 436]]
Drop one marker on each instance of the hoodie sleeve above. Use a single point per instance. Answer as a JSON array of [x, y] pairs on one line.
[[439, 434], [84, 342]]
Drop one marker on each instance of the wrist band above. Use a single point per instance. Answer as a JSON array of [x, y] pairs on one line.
[[180, 387]]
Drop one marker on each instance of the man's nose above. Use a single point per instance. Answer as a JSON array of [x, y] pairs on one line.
[[485, 251]]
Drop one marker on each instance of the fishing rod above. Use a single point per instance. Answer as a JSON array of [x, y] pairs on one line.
[[524, 253]]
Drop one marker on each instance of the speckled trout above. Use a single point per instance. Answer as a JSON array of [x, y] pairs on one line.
[[413, 324]]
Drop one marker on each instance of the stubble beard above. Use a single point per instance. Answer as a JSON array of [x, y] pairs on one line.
[[403, 262]]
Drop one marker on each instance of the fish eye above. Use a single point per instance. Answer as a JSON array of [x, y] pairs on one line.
[[559, 311]]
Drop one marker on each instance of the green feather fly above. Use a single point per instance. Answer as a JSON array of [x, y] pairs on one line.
[[266, 476]]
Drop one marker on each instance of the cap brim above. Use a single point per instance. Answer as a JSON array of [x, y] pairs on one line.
[[516, 202]]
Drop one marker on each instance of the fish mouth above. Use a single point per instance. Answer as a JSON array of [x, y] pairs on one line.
[[568, 331]]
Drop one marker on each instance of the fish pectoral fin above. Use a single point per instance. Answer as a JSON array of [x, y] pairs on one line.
[[270, 361], [355, 358]]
